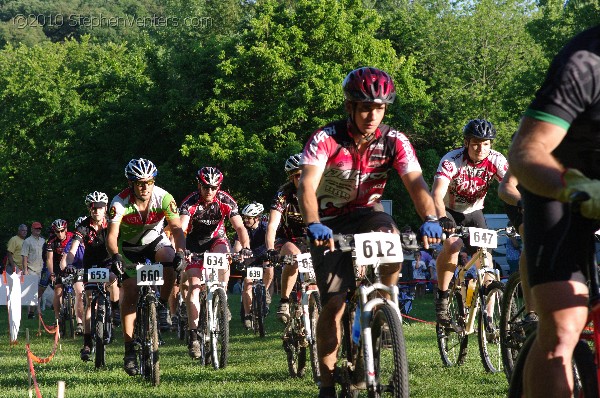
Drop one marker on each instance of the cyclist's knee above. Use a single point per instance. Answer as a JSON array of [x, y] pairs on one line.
[[452, 245]]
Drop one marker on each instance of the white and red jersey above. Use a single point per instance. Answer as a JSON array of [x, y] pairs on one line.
[[352, 180], [469, 182]]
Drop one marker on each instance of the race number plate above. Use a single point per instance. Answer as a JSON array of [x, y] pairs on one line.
[[98, 275], [480, 237], [254, 273], [304, 262], [378, 248], [216, 261], [150, 274]]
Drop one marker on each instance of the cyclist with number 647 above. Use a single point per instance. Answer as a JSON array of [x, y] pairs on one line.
[[345, 166]]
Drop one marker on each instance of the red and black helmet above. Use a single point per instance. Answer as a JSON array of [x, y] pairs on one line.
[[209, 176], [59, 225], [369, 85]]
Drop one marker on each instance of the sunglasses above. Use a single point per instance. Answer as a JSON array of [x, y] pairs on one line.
[[209, 187], [143, 183], [247, 218], [60, 230]]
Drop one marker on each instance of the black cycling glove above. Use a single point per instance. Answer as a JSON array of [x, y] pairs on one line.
[[179, 262], [117, 261], [447, 223]]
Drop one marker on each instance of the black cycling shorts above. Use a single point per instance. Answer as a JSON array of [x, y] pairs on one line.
[[334, 270], [558, 241], [515, 215], [474, 219]]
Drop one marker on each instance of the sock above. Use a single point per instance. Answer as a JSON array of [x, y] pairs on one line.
[[442, 294], [129, 347], [327, 392], [87, 339]]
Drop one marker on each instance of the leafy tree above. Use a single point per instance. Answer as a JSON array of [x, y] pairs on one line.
[[283, 80], [66, 126]]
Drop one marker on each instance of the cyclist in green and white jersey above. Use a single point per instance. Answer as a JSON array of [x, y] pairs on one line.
[[136, 233]]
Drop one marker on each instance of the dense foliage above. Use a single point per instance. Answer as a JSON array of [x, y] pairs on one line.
[[241, 84]]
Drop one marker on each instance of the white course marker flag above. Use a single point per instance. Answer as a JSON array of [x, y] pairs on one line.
[[14, 306]]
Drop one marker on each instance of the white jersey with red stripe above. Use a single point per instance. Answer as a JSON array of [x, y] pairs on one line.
[[350, 179], [469, 182]]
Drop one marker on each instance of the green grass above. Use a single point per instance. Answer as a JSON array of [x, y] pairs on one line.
[[257, 367]]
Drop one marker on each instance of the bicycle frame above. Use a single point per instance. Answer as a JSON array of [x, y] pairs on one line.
[[369, 305], [479, 260]]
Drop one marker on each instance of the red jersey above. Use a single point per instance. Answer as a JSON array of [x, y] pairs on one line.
[[352, 180]]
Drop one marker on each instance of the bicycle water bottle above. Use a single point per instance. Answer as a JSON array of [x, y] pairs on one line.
[[470, 291], [356, 326]]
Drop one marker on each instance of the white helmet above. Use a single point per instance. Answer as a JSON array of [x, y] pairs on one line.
[[293, 163], [140, 169], [96, 197], [254, 209]]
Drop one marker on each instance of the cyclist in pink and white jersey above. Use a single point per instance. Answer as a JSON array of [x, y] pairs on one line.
[[462, 180], [203, 214], [345, 166]]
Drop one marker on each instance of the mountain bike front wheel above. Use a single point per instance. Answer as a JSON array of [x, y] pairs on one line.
[[220, 335], [149, 340], [452, 343], [98, 322], [389, 354], [314, 309], [258, 307], [512, 313], [489, 328], [583, 367]]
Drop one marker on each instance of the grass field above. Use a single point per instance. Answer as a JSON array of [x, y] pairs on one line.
[[257, 367]]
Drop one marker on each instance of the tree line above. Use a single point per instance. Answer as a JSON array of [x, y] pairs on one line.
[[243, 89]]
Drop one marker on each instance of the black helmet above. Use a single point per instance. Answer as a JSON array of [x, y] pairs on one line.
[[479, 128]]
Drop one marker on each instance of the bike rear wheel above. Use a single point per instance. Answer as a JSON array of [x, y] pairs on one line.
[[314, 309], [220, 334], [452, 344], [489, 328], [512, 334], [389, 354]]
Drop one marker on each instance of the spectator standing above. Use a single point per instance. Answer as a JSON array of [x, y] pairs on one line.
[[513, 253], [420, 274], [31, 251], [13, 250]]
